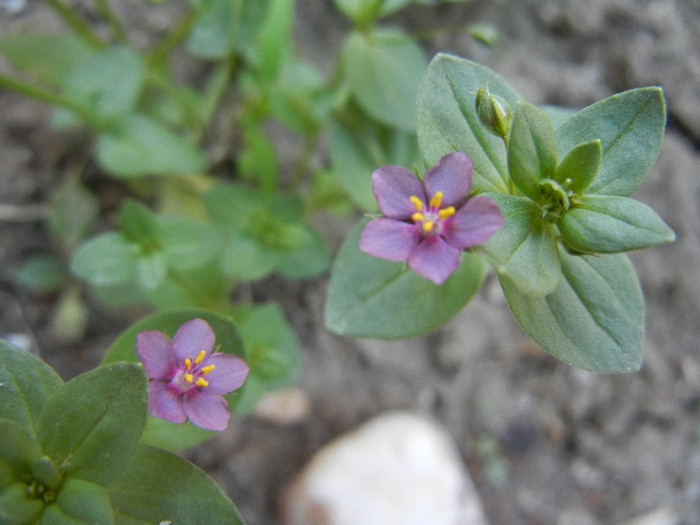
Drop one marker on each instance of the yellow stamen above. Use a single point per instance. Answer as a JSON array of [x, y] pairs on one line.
[[428, 226], [416, 202], [418, 217], [447, 212], [436, 200], [189, 378], [188, 363], [200, 357], [207, 369], [202, 382]]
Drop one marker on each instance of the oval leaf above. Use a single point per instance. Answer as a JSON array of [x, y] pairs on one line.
[[581, 166], [630, 127], [106, 260], [608, 224], [79, 502], [371, 297], [594, 319]]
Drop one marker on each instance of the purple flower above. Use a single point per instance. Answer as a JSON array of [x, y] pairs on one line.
[[430, 222], [187, 380]]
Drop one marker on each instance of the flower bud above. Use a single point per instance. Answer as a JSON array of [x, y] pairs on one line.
[[494, 112]]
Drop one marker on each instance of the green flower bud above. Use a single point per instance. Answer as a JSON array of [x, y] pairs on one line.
[[494, 112]]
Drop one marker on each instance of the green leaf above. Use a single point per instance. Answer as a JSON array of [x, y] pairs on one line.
[[74, 212], [273, 350], [580, 166], [90, 427], [26, 382], [17, 507], [384, 68], [19, 449], [159, 486], [188, 244], [246, 259], [630, 127], [594, 319], [42, 273], [213, 35], [447, 120], [138, 224], [108, 84], [137, 146], [309, 260], [608, 224], [151, 270], [532, 149], [362, 12], [371, 297], [79, 502], [525, 251], [45, 57], [106, 260], [274, 39], [163, 433]]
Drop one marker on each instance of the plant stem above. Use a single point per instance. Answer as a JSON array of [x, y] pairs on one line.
[[108, 15], [77, 24], [158, 53]]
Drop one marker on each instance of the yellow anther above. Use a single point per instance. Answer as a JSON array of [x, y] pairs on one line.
[[428, 226], [447, 212], [416, 202], [202, 382], [207, 369], [436, 200], [200, 357], [188, 363], [418, 217], [189, 378]]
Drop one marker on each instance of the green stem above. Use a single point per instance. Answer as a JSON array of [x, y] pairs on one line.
[[108, 15], [173, 38], [37, 93], [77, 24]]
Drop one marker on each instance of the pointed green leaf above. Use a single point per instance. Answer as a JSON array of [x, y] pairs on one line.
[[274, 39], [594, 319], [447, 120], [90, 427], [532, 150], [26, 382], [137, 146], [19, 449], [384, 68], [371, 297], [106, 260], [160, 486], [580, 166], [609, 224], [630, 127], [525, 251], [79, 502], [138, 224]]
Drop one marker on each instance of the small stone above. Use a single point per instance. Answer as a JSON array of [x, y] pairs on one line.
[[286, 406], [398, 468]]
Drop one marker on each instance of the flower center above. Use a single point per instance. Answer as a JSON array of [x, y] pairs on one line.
[[190, 375], [429, 220]]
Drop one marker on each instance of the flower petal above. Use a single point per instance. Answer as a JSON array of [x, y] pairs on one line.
[[473, 223], [156, 354], [389, 239], [191, 338], [230, 373], [165, 402], [453, 177], [393, 187], [434, 259], [206, 411]]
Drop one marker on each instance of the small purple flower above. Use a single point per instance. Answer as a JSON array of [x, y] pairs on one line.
[[430, 222], [187, 380]]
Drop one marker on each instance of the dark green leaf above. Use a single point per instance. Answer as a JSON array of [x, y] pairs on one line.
[[79, 502], [19, 449], [609, 224], [371, 297], [90, 427], [594, 319], [26, 382], [630, 127], [139, 224], [532, 149], [17, 507], [580, 166], [160, 486], [447, 120], [384, 69], [106, 260]]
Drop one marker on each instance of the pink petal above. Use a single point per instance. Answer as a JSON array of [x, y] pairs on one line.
[[453, 177], [165, 402], [393, 187], [434, 259], [230, 373], [389, 239], [207, 412], [156, 354], [191, 338], [473, 223]]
